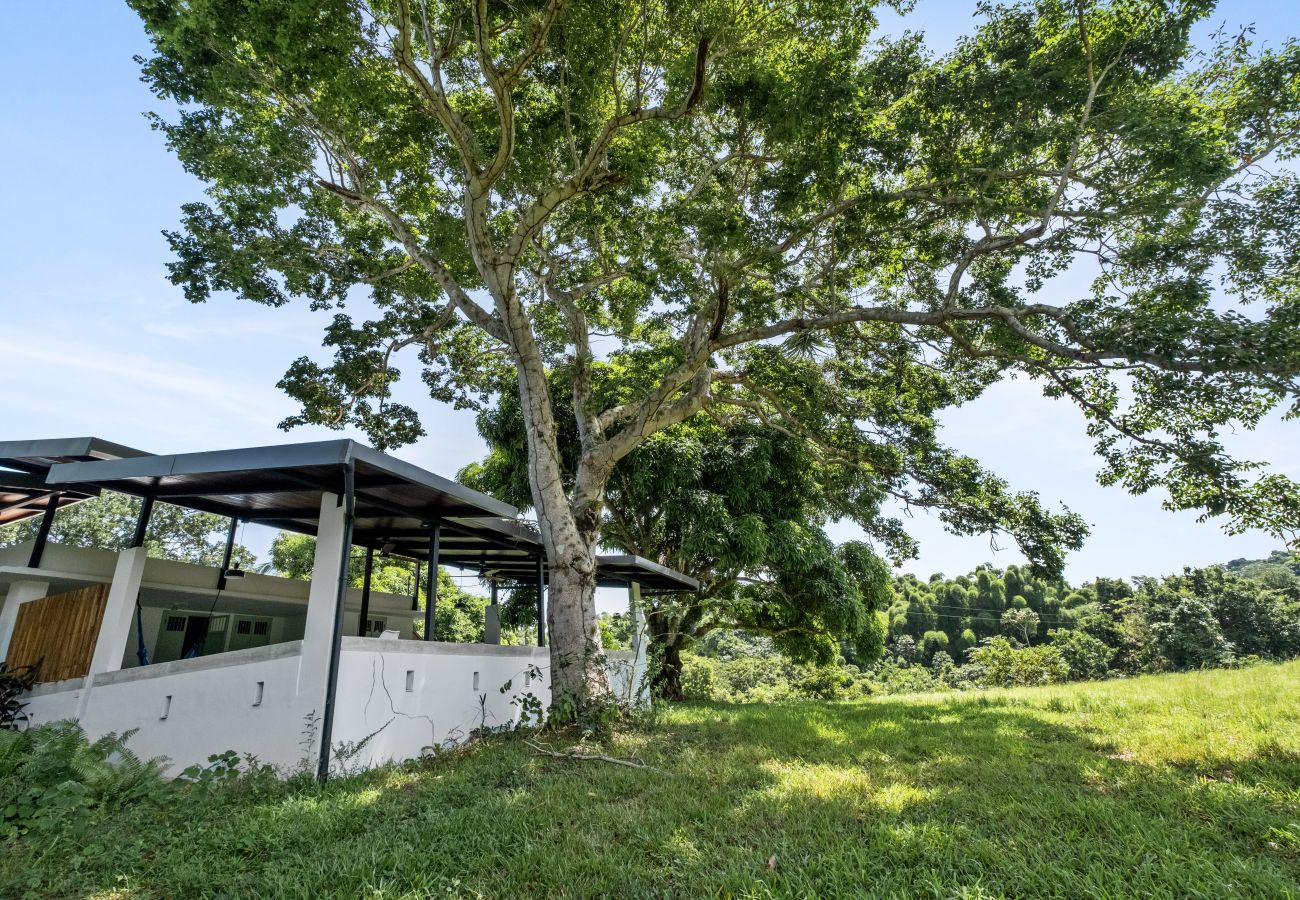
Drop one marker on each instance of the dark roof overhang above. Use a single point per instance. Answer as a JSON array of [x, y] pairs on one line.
[[25, 466], [396, 505]]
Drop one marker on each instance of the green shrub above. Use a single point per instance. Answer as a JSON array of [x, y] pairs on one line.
[[14, 684], [933, 642], [56, 778], [699, 681], [1192, 638], [1087, 657], [1007, 666], [768, 679], [825, 683], [889, 677]]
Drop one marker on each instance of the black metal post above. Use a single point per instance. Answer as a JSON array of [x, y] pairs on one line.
[[492, 617], [43, 532], [415, 591], [142, 523], [225, 557], [365, 592], [541, 602], [348, 501], [431, 591]]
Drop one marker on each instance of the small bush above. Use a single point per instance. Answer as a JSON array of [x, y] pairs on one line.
[[891, 677], [58, 779], [767, 679], [699, 681], [1087, 657], [1007, 666]]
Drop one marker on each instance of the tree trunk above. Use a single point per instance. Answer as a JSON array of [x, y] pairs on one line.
[[578, 674], [668, 679]]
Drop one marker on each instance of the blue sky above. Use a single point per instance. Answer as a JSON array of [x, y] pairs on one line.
[[96, 341]]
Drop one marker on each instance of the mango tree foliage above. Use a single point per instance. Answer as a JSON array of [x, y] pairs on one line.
[[690, 189], [742, 508]]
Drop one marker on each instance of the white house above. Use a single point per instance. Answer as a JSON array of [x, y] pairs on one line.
[[315, 673]]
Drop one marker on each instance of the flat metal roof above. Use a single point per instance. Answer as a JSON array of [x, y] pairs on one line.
[[283, 482], [40, 455], [396, 504], [615, 570], [25, 465]]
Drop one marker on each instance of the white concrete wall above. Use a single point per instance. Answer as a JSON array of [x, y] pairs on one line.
[[395, 608], [212, 706], [443, 705], [623, 680], [53, 701], [256, 701], [82, 563], [18, 593]]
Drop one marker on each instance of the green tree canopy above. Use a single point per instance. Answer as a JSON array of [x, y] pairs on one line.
[[752, 207], [459, 613], [108, 522], [739, 508], [742, 508]]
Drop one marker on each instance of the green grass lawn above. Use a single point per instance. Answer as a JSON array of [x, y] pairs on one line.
[[1170, 786]]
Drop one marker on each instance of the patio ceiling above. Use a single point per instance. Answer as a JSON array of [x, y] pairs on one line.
[[25, 465]]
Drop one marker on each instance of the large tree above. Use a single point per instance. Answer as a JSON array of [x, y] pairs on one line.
[[742, 506], [689, 188]]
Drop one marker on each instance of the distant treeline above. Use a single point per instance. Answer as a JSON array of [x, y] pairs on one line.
[[1000, 627]]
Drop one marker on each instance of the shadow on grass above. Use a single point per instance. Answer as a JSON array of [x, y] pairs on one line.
[[966, 797]]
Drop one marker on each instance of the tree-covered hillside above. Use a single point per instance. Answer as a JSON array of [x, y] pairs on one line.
[[1202, 617], [1000, 627]]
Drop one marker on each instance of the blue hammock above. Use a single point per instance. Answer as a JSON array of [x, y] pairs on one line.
[[141, 651]]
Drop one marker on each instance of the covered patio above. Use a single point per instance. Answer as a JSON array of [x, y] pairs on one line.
[[339, 665]]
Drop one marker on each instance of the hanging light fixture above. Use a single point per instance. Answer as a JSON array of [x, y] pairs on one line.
[[386, 550]]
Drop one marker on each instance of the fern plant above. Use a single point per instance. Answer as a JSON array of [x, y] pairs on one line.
[[57, 777]]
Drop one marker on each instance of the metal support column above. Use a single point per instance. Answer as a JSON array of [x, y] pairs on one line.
[[492, 617], [541, 602], [142, 523], [229, 552], [362, 631], [415, 591], [336, 644], [43, 532], [431, 590]]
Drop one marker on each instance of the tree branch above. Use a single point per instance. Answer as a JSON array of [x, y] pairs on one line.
[[585, 178], [455, 293], [432, 91]]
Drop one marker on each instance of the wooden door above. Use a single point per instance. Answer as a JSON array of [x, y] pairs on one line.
[[57, 634]]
